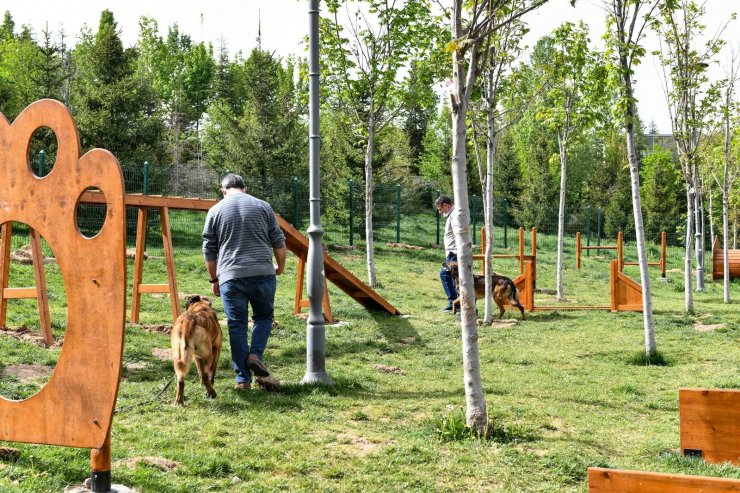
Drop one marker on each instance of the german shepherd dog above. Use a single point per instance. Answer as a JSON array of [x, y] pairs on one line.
[[503, 289], [196, 334]]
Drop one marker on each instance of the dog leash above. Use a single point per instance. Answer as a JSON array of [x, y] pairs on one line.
[[129, 407]]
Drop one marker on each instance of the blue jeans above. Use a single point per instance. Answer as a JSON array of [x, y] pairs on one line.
[[448, 282], [237, 294]]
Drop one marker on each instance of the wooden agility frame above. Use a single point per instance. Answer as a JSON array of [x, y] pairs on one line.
[[602, 480], [619, 247], [75, 407]]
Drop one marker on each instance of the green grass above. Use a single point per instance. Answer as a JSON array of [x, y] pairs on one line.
[[565, 390]]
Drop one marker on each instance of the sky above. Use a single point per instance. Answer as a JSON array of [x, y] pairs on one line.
[[284, 24]]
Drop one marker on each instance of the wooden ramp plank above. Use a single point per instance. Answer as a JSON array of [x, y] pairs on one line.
[[710, 424], [621, 481]]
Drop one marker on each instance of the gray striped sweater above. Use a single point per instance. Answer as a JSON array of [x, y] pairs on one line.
[[240, 233]]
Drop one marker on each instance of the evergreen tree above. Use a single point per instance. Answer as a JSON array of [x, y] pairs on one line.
[[115, 109], [507, 176], [7, 28], [662, 194], [436, 153]]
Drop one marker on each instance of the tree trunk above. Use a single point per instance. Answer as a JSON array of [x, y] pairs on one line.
[[476, 414], [370, 249], [488, 201], [647, 297], [688, 294], [711, 218], [561, 218], [726, 242]]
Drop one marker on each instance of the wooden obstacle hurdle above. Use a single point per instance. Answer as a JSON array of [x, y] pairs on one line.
[[39, 291], [602, 480], [710, 424], [520, 252], [718, 261], [619, 247], [75, 407]]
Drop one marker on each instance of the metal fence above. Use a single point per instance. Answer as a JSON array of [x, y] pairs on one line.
[[401, 214]]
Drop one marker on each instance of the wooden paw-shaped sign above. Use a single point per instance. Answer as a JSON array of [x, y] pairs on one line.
[[75, 407]]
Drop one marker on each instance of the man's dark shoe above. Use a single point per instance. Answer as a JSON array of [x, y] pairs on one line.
[[243, 386], [257, 366], [447, 309]]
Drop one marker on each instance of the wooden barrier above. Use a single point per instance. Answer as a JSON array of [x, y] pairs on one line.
[[602, 480], [718, 261], [75, 407], [710, 424], [619, 247], [520, 255]]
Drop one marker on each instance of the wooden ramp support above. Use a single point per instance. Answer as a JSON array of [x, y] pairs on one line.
[[626, 294], [620, 481], [710, 424], [618, 247], [341, 277], [718, 261], [39, 291], [138, 286]]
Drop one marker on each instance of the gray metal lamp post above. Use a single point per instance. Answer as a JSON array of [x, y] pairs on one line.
[[315, 329]]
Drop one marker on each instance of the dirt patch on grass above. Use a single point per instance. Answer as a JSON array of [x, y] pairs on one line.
[[25, 373], [157, 328], [358, 445], [23, 333], [160, 463], [707, 328], [24, 256], [404, 246], [389, 369], [162, 354]]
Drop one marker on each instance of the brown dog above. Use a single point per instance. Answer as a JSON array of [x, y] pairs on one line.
[[196, 334], [503, 289]]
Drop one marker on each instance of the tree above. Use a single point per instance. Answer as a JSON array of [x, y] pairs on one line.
[[625, 30], [436, 154], [661, 196], [114, 108], [689, 101], [574, 90], [472, 27], [362, 64]]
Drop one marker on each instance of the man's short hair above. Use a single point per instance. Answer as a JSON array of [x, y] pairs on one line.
[[232, 180], [442, 199]]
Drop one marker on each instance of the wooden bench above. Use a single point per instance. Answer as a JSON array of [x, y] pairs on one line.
[[710, 424], [620, 481]]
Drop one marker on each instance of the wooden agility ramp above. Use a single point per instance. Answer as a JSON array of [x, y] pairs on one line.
[[710, 424], [602, 480]]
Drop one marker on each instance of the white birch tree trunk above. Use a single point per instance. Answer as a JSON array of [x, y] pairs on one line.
[[698, 244], [561, 218], [488, 201], [369, 244], [711, 218], [687, 265], [726, 241], [476, 413]]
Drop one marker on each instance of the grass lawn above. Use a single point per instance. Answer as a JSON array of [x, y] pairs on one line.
[[561, 387]]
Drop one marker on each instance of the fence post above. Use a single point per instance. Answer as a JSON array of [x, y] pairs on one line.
[[42, 163], [146, 178], [588, 229], [438, 195], [398, 213], [598, 227], [506, 223], [351, 215], [472, 213], [295, 202]]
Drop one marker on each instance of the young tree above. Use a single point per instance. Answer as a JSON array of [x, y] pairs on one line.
[[574, 89], [473, 24], [625, 30], [363, 54], [689, 102]]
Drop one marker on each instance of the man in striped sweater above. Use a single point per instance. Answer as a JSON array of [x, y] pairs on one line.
[[240, 237]]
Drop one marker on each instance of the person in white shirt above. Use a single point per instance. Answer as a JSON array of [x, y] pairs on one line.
[[444, 206]]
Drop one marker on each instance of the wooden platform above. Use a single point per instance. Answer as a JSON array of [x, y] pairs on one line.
[[710, 424], [621, 481]]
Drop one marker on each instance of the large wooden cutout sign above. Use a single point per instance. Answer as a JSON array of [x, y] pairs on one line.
[[75, 407]]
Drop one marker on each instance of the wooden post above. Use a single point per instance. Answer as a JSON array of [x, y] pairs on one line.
[[169, 258], [534, 257], [521, 250], [662, 254], [42, 295], [578, 250], [620, 252], [613, 269], [300, 276], [138, 264], [6, 232], [101, 467]]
